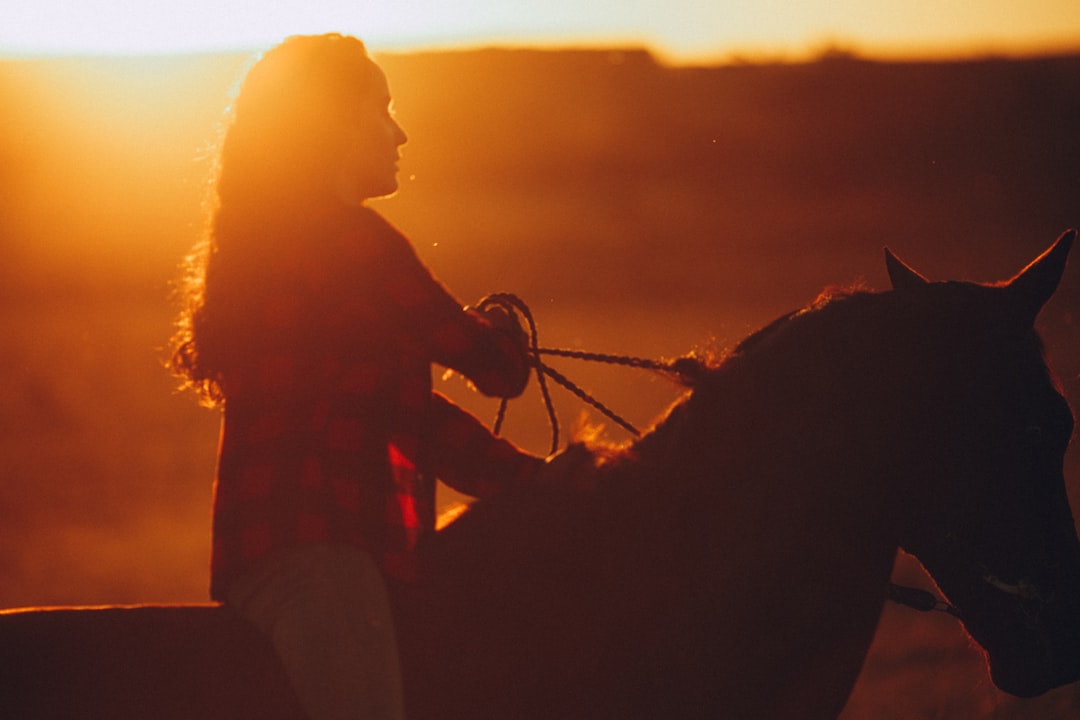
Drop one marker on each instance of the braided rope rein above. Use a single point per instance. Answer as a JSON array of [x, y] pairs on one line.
[[688, 369]]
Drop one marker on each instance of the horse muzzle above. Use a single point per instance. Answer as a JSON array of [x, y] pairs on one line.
[[1034, 645]]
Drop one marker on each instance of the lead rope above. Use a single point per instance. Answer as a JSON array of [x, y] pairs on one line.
[[688, 369]]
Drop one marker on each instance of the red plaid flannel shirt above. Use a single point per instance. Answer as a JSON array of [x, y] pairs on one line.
[[334, 433]]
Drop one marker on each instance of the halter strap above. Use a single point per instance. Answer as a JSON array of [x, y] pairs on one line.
[[921, 600]]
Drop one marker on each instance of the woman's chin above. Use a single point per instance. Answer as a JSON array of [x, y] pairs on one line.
[[358, 196]]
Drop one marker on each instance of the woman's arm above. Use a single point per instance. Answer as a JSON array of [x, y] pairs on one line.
[[417, 312], [468, 457]]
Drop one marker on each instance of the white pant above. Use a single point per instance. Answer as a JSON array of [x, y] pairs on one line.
[[326, 611]]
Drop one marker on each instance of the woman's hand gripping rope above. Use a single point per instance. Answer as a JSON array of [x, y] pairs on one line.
[[688, 369]]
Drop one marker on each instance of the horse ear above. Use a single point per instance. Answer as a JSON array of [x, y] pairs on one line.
[[900, 274], [1034, 285]]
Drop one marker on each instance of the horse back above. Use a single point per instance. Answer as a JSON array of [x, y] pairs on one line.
[[169, 662]]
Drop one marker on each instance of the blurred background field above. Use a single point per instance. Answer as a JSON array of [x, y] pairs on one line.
[[639, 209]]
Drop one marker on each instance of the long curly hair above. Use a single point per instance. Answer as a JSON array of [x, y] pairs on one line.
[[272, 189]]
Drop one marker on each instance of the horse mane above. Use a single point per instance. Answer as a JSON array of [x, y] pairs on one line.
[[827, 296], [704, 368]]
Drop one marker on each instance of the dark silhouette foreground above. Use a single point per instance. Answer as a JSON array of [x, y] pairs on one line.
[[731, 563]]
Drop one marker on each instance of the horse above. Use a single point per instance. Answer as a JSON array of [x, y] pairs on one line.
[[732, 562]]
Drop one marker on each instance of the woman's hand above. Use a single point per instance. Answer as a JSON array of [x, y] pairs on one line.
[[512, 335], [507, 322]]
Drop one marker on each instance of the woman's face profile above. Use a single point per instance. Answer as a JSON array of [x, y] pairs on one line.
[[371, 138]]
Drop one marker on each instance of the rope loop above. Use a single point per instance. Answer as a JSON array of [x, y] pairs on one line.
[[689, 370]]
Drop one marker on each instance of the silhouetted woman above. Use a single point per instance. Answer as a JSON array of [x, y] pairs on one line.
[[312, 322]]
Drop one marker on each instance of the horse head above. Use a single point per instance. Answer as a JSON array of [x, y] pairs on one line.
[[991, 520]]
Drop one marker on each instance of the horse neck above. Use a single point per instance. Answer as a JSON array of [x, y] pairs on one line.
[[816, 409], [775, 469]]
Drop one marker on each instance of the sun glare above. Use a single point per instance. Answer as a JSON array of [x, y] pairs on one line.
[[117, 27], [680, 29]]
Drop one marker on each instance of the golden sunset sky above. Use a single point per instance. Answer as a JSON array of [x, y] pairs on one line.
[[680, 30]]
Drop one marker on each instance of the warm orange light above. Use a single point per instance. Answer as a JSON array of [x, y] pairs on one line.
[[114, 142], [680, 29]]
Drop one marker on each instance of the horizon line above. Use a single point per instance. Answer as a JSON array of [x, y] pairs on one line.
[[825, 48]]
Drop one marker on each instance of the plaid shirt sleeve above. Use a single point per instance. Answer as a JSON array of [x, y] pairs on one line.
[[469, 458], [420, 316]]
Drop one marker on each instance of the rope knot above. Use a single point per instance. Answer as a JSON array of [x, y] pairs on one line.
[[691, 370]]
